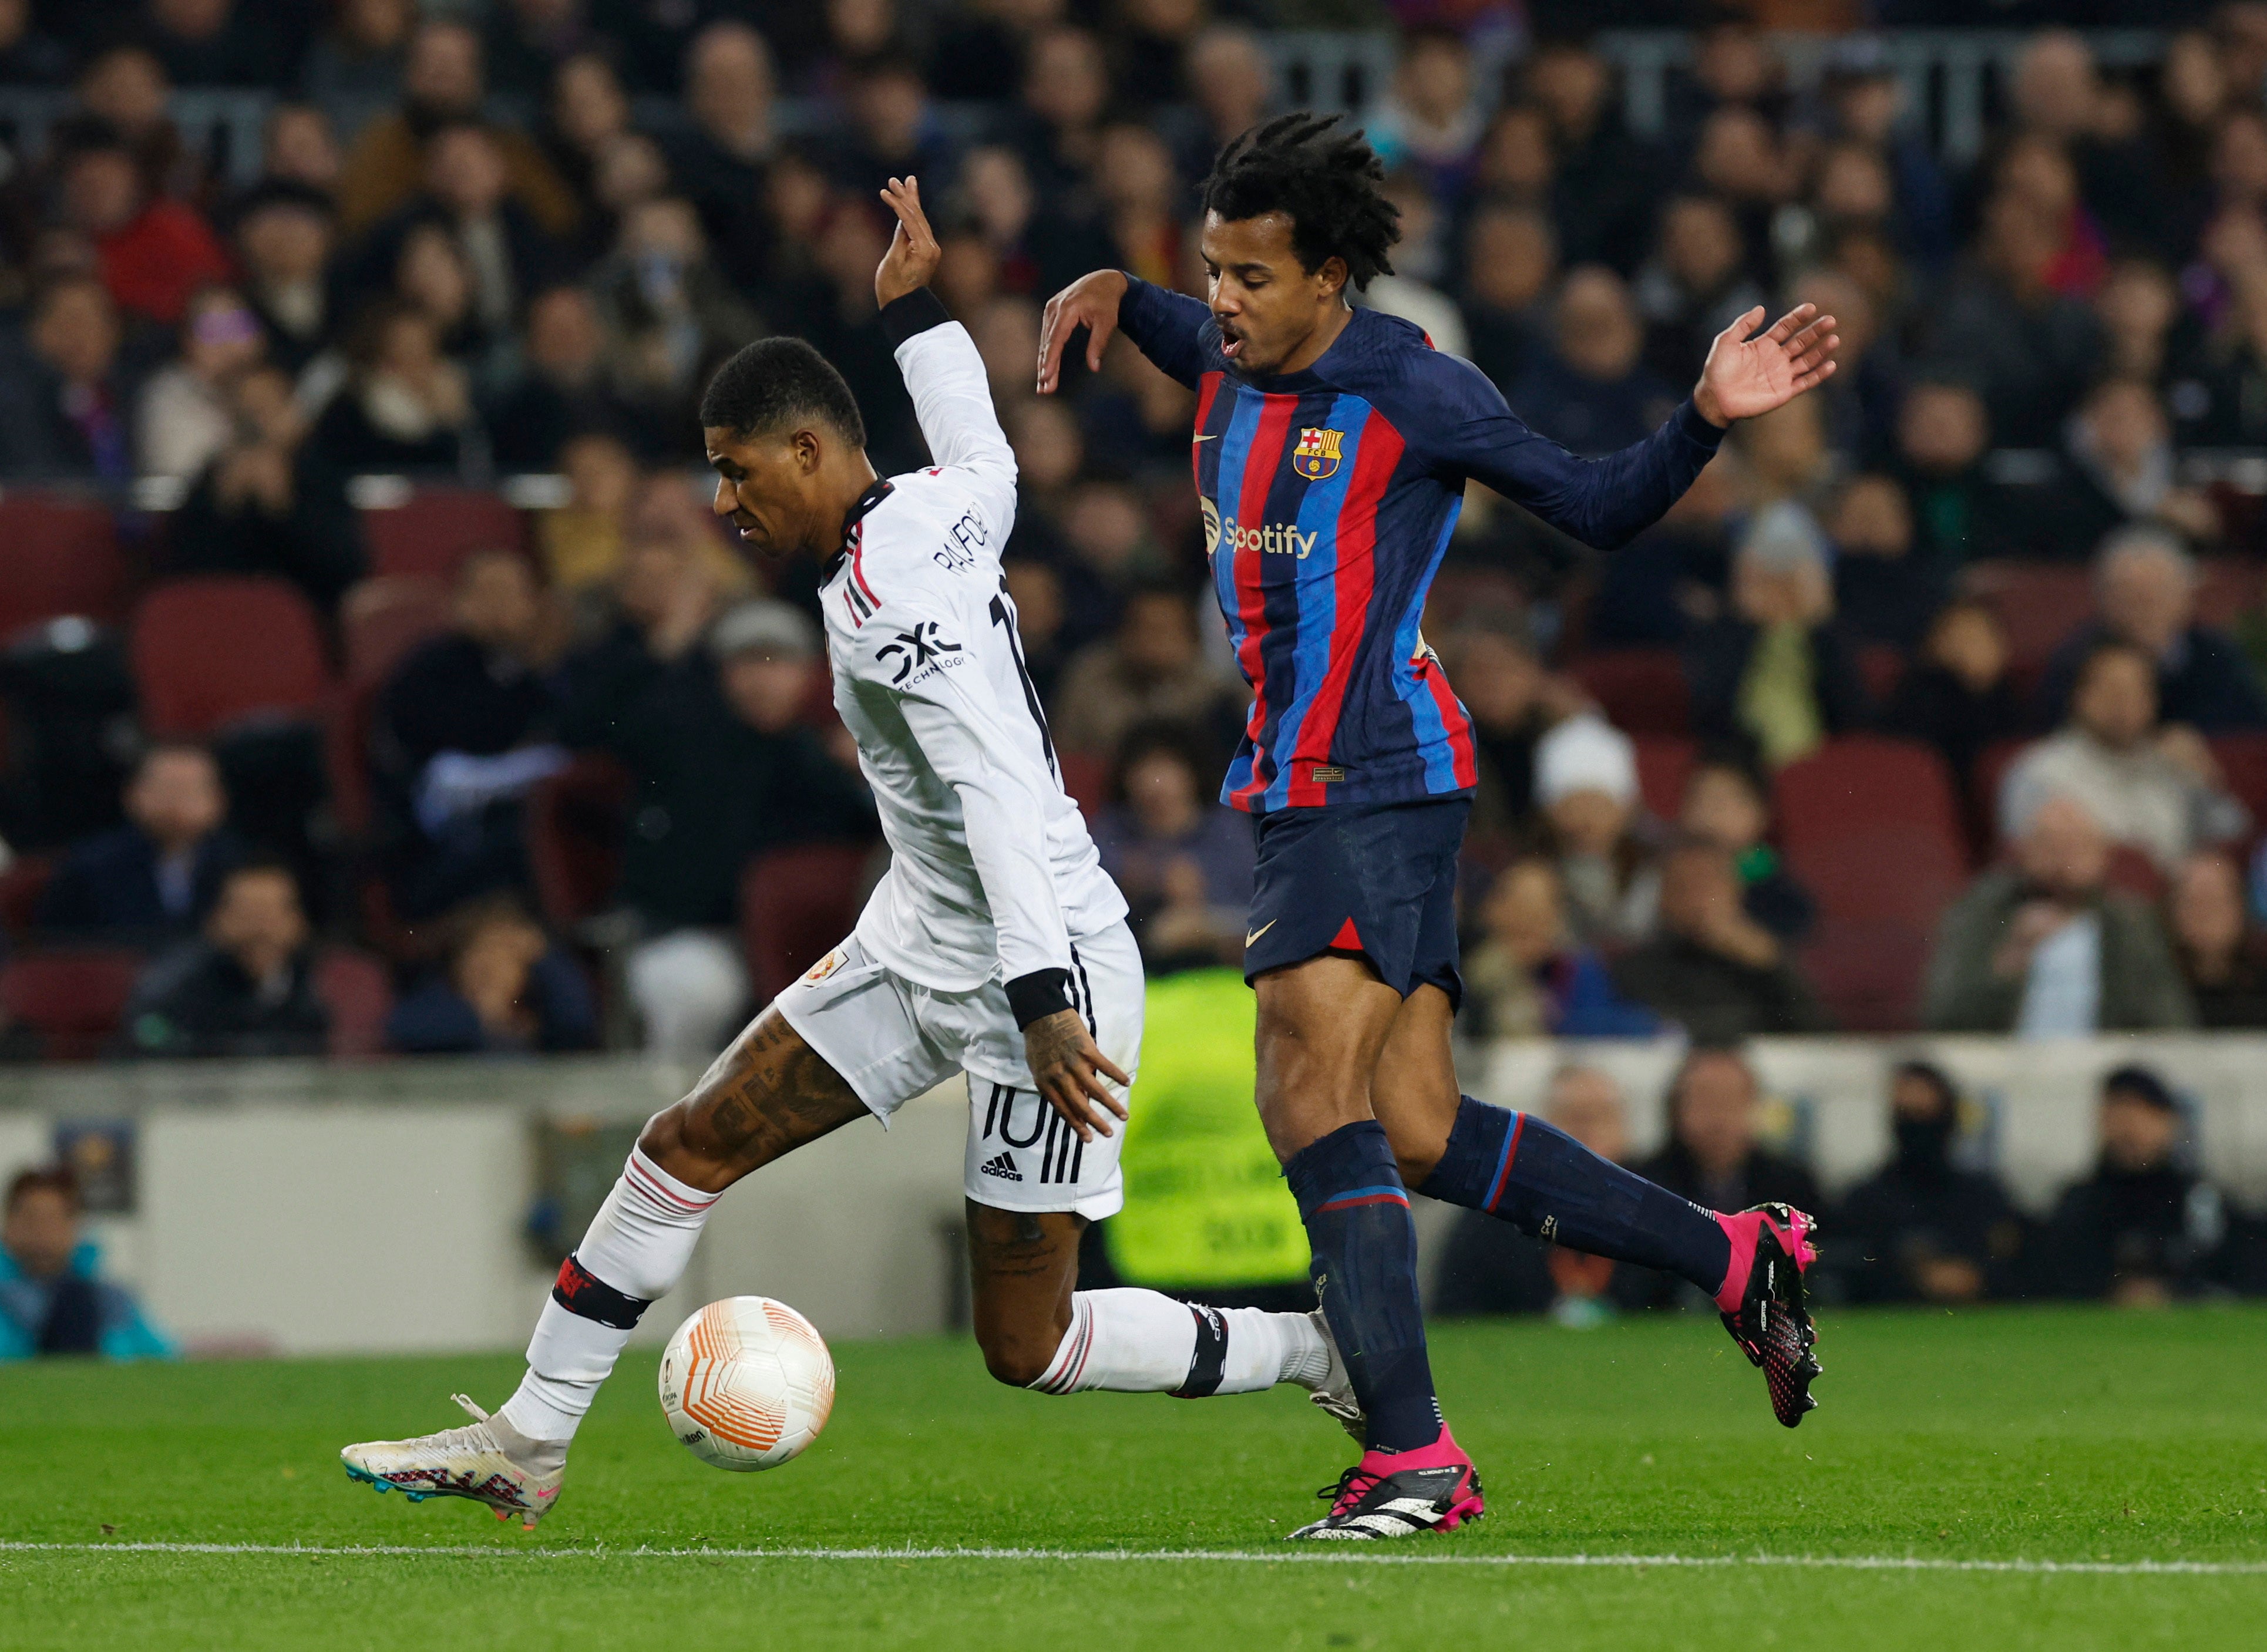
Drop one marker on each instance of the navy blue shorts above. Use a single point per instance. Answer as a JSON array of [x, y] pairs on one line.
[[1375, 878]]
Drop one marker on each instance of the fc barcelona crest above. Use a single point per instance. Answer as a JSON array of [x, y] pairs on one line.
[[1316, 456]]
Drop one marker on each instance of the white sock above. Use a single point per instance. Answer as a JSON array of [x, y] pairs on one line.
[[638, 1245], [1143, 1342]]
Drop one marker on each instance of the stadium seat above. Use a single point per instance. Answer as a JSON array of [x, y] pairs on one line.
[[575, 822], [2228, 587], [381, 620], [2242, 759], [2039, 606], [436, 528], [1664, 765], [1991, 765], [57, 555], [70, 997], [1871, 826], [1881, 666], [1086, 777], [795, 905], [208, 652], [1642, 690], [359, 995], [21, 888]]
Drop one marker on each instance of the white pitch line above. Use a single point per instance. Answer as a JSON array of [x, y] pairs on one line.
[[1361, 1557]]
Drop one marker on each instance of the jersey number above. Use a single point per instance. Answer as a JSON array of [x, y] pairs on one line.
[[1004, 618]]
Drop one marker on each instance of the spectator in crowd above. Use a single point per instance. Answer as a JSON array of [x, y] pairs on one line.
[[406, 406], [157, 875], [1776, 671], [2144, 1229], [1511, 254], [1490, 1266], [672, 312], [28, 56], [2033, 347], [65, 412], [443, 86], [300, 147], [352, 71], [1513, 702], [461, 731], [184, 417], [284, 237], [52, 1299], [1959, 514], [123, 88], [1604, 182], [1726, 804], [722, 163], [2152, 786], [2219, 949], [1524, 978], [1152, 670], [567, 389], [1710, 967], [2144, 595], [651, 602], [1184, 862], [2121, 456], [506, 989], [219, 42], [1592, 392], [2042, 947], [271, 502], [1714, 1156], [1586, 785], [246, 988], [721, 770], [1695, 286], [152, 251], [1921, 1229], [1882, 592], [1957, 694]]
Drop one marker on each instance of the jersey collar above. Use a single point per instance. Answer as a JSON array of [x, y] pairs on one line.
[[853, 522]]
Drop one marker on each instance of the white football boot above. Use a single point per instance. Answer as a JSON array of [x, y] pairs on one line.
[[1336, 1395], [488, 1461]]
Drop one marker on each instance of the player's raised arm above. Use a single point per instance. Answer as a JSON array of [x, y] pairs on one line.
[[1164, 325], [944, 374]]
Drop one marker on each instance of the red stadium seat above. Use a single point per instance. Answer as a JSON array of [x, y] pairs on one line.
[[2227, 588], [21, 886], [1086, 777], [2039, 606], [359, 995], [1882, 667], [2242, 759], [576, 823], [57, 555], [1869, 975], [436, 528], [71, 997], [795, 905], [1991, 765], [1663, 766], [381, 620], [208, 652], [1642, 690]]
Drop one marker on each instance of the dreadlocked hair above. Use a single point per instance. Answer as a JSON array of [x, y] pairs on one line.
[[1325, 180]]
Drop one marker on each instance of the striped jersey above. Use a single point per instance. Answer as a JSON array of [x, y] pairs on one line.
[[1328, 498]]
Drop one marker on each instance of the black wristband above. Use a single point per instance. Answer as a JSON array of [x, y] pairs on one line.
[[914, 314], [1041, 993]]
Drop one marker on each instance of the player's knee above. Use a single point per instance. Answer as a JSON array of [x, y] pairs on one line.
[[1018, 1357], [663, 1139]]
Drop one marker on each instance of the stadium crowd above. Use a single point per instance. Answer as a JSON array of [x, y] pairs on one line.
[[565, 772]]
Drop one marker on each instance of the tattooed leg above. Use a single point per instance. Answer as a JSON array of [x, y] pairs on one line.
[[766, 1096], [1023, 1265]]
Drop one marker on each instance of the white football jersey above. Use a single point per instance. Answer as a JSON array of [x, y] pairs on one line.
[[992, 874]]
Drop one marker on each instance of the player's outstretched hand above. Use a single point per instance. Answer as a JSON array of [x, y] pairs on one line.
[[1091, 302], [1745, 376], [914, 252], [1070, 1068]]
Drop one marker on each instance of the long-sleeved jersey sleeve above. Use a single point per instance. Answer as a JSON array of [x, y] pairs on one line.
[[951, 395], [1465, 426], [1167, 328]]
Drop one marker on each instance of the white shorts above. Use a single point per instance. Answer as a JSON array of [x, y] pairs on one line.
[[892, 1039]]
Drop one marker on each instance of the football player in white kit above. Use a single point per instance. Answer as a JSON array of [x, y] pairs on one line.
[[995, 946]]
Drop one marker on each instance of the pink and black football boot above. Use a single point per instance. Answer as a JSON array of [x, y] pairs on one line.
[[1762, 1302], [1400, 1494]]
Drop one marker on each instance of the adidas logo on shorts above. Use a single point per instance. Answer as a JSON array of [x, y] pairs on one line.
[[1003, 1166]]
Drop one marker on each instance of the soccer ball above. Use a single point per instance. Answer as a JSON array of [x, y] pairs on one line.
[[747, 1383]]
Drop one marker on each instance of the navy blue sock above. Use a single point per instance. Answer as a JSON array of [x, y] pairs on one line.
[[1365, 1271], [1543, 1182]]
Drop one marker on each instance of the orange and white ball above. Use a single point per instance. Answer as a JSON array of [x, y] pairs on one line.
[[747, 1383]]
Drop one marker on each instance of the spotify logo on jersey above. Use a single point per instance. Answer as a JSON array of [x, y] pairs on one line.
[[1269, 540]]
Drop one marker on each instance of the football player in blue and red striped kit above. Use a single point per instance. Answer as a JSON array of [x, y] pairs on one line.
[[1331, 451]]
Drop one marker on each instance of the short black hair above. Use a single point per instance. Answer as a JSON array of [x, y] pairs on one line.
[[774, 381], [1324, 180]]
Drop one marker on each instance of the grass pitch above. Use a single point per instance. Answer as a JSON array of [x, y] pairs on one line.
[[1945, 1447]]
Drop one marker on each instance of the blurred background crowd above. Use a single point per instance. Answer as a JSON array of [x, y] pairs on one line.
[[374, 677]]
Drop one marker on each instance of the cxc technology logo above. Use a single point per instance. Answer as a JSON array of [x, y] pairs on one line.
[[919, 652], [1271, 540]]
